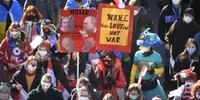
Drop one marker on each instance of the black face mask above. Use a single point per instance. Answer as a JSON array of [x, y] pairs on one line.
[[32, 18], [108, 63]]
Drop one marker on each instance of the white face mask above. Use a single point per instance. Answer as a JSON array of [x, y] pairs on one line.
[[187, 19], [42, 53], [45, 85], [13, 34], [135, 12], [32, 67], [83, 98], [175, 2], [191, 50], [133, 97]]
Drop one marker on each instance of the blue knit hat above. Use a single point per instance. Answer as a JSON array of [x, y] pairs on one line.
[[148, 39]]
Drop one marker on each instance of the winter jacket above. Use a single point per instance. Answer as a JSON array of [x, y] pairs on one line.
[[20, 77], [13, 11], [195, 5], [48, 8], [178, 35], [7, 56], [116, 74], [51, 94], [167, 18]]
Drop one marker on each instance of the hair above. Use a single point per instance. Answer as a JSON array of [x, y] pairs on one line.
[[46, 44], [105, 53], [46, 76], [93, 19], [134, 87], [30, 58], [83, 80], [108, 96], [194, 88], [185, 53], [33, 9], [15, 25]]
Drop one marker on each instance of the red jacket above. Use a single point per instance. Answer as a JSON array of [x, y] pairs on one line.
[[6, 55], [117, 75]]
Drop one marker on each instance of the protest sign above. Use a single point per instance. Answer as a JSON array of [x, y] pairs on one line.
[[115, 28], [78, 27]]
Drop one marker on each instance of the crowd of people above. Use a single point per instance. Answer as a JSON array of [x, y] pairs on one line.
[[42, 72]]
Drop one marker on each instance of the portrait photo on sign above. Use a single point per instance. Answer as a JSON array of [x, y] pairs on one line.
[[89, 26], [67, 23]]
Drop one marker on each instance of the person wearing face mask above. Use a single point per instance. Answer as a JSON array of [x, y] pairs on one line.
[[14, 50], [186, 79], [48, 63], [84, 90], [134, 92], [147, 57], [185, 28], [113, 77], [48, 32], [11, 11], [26, 79], [169, 13], [189, 58], [45, 91], [31, 21]]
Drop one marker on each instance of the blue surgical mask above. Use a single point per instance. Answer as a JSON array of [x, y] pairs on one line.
[[191, 50], [133, 97], [198, 95]]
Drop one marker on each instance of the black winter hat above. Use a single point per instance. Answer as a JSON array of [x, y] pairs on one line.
[[189, 11]]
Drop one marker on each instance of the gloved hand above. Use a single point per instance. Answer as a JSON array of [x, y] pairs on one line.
[[107, 86], [151, 71]]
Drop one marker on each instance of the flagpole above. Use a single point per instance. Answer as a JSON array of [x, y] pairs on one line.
[[78, 65]]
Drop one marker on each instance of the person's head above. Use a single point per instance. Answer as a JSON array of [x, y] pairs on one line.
[[14, 31], [157, 98], [67, 24], [147, 40], [176, 2], [89, 24], [108, 96], [67, 44], [43, 50], [46, 82], [4, 92], [133, 92], [108, 58], [195, 91], [191, 46], [31, 14], [188, 15], [83, 87], [32, 64], [47, 27]]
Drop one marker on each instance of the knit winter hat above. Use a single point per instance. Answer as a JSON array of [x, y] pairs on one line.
[[148, 39], [189, 11]]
